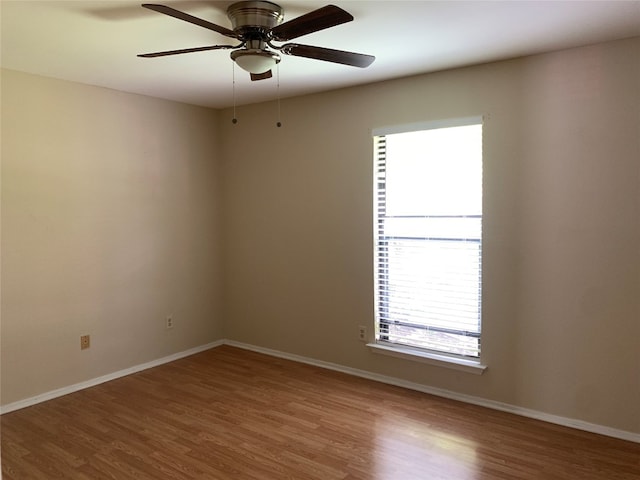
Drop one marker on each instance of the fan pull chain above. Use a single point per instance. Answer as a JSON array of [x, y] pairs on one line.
[[279, 123], [234, 120]]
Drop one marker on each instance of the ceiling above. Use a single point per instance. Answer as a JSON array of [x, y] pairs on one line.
[[96, 42]]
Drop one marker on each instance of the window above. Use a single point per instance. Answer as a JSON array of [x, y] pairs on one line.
[[428, 237]]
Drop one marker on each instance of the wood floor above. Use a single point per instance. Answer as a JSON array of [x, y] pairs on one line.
[[233, 414]]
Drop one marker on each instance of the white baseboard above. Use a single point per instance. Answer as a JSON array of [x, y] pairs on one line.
[[505, 407], [27, 402]]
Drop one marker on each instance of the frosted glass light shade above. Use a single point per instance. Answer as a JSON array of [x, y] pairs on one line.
[[255, 61]]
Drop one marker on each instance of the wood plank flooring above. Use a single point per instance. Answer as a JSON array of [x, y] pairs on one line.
[[232, 414]]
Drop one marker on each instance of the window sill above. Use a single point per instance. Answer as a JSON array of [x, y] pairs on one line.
[[407, 353]]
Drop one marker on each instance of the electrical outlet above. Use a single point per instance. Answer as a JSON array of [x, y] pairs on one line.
[[169, 322], [362, 333], [85, 342]]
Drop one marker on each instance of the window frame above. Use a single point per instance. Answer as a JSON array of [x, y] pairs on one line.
[[432, 356]]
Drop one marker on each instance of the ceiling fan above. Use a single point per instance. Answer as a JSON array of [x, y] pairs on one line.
[[257, 24]]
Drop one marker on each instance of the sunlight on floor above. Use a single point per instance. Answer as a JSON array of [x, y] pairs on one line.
[[402, 446]]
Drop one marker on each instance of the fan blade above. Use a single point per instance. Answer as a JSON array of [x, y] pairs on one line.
[[325, 17], [184, 50], [328, 55], [261, 76], [189, 18]]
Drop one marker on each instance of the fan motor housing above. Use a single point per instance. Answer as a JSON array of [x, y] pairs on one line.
[[254, 17]]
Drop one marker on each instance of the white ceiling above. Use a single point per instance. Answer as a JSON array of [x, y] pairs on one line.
[[96, 42]]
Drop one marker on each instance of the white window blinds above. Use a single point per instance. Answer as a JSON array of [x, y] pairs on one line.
[[428, 241]]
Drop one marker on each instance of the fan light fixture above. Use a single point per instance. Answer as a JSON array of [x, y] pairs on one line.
[[256, 24], [255, 61]]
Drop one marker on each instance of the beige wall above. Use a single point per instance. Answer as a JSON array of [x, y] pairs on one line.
[[109, 222], [561, 317]]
